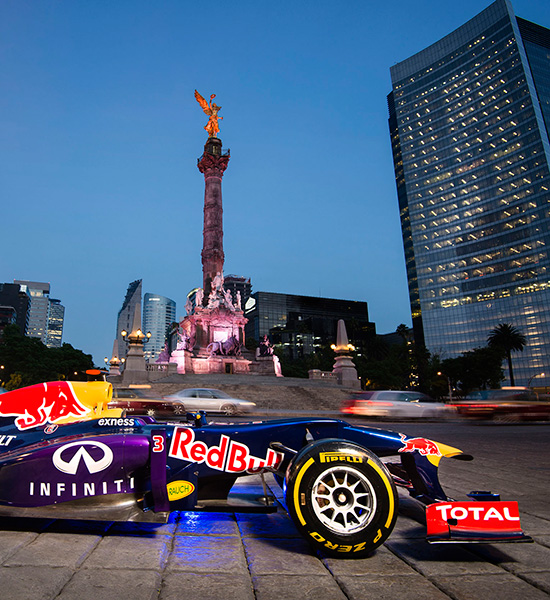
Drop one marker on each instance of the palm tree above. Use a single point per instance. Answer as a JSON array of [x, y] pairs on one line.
[[507, 338]]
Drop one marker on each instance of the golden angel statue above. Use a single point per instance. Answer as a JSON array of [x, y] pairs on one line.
[[211, 110]]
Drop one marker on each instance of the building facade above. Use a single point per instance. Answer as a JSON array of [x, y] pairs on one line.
[[46, 315], [159, 313], [126, 314], [56, 317], [15, 301], [469, 118], [300, 325], [236, 283]]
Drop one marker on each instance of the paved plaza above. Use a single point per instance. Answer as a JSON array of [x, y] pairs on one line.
[[239, 556], [219, 556]]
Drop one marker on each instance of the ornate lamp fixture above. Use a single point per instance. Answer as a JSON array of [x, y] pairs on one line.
[[115, 363], [136, 337]]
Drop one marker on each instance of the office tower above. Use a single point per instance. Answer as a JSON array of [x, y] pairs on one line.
[[159, 313], [46, 315], [56, 316], [469, 119], [301, 325], [235, 283], [126, 314], [16, 297]]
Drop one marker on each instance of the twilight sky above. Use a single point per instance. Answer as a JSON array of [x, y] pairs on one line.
[[100, 135]]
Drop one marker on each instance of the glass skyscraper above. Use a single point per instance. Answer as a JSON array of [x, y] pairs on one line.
[[159, 313], [469, 121]]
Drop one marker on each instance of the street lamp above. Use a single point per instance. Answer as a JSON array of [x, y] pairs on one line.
[[534, 377]]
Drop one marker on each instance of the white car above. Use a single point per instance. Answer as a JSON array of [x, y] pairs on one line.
[[396, 405], [211, 400]]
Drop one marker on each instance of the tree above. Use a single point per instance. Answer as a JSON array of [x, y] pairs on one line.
[[26, 360], [477, 369], [507, 339]]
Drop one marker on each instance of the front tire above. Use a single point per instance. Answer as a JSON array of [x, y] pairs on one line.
[[341, 498]]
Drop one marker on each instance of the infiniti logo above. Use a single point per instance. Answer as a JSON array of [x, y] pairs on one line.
[[92, 464]]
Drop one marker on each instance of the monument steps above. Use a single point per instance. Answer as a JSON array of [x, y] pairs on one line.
[[269, 393]]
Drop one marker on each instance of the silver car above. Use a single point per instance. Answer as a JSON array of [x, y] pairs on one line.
[[396, 405], [211, 400]]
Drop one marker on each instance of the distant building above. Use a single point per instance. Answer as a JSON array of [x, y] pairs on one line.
[[16, 297], [300, 325], [56, 317], [126, 314], [8, 316], [159, 313], [469, 120], [235, 283], [46, 315]]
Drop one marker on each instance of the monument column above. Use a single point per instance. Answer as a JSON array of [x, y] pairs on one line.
[[212, 164]]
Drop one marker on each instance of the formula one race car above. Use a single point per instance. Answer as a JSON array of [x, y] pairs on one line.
[[64, 454]]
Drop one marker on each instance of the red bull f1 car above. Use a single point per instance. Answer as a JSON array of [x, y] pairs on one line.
[[65, 454]]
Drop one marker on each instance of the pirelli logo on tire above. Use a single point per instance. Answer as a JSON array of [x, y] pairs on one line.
[[328, 457]]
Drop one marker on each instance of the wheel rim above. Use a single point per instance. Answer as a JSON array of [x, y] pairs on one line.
[[151, 412], [343, 499], [228, 409], [178, 410]]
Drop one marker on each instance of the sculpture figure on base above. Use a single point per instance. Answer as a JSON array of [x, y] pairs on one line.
[[266, 349], [231, 347], [211, 110], [199, 297], [164, 356]]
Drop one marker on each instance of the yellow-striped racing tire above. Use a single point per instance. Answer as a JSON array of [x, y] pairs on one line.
[[341, 498]]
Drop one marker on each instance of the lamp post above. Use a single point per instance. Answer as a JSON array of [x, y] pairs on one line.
[[534, 377], [135, 369]]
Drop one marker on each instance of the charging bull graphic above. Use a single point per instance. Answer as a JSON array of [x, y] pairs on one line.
[[422, 445], [42, 403]]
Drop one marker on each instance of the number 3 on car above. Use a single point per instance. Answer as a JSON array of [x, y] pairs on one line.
[[342, 497]]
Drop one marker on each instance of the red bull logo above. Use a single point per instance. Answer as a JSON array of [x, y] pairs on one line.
[[422, 445], [42, 404]]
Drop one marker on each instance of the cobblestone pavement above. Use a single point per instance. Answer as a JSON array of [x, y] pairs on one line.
[[238, 556]]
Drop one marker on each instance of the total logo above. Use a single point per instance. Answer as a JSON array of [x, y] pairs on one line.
[[477, 513], [472, 519], [94, 464], [229, 455]]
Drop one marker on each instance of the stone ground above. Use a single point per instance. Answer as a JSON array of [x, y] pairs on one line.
[[221, 556]]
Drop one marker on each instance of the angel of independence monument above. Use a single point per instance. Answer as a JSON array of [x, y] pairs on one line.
[[211, 336]]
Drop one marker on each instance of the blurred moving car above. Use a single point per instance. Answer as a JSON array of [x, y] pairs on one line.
[[135, 401], [396, 405], [506, 404], [211, 400]]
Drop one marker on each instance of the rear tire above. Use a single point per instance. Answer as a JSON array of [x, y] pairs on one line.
[[341, 498]]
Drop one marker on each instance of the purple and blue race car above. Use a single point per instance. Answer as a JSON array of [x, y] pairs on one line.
[[65, 454]]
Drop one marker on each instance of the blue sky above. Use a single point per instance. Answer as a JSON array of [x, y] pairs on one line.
[[100, 134]]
